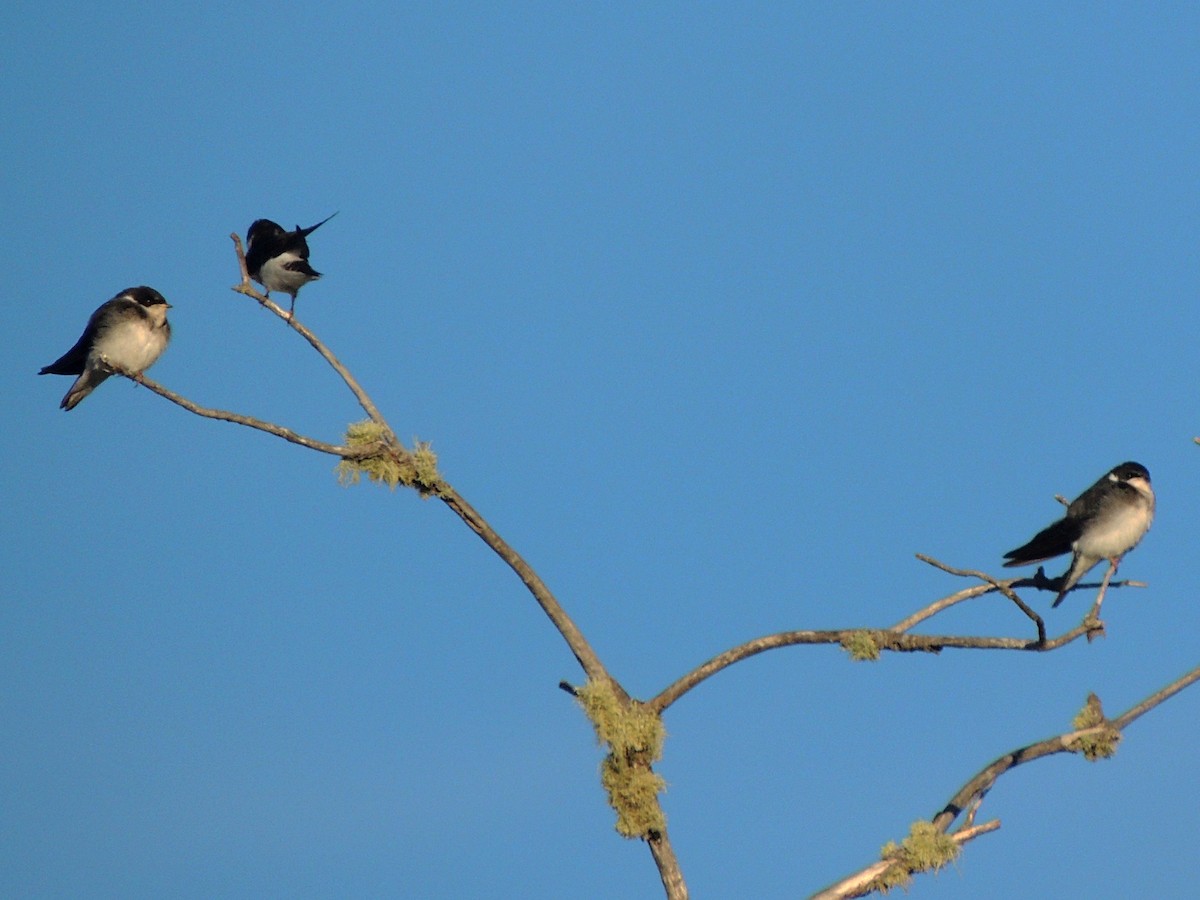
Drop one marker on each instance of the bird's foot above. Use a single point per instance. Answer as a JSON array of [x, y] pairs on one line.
[[1044, 582]]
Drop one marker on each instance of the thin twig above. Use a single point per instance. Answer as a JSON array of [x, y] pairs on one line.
[[1038, 580], [938, 605], [287, 434], [1004, 586]]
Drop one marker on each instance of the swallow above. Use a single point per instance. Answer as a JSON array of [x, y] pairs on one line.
[[278, 259], [128, 333], [1104, 522]]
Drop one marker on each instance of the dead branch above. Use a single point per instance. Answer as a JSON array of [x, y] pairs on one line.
[[250, 422], [896, 639], [969, 797]]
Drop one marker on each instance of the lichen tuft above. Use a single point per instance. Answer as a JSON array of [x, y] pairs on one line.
[[390, 465], [862, 645], [1101, 744], [634, 737], [925, 849]]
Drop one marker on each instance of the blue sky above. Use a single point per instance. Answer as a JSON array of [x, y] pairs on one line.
[[718, 312]]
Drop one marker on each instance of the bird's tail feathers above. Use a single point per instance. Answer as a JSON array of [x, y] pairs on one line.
[[84, 385], [307, 231], [1054, 540]]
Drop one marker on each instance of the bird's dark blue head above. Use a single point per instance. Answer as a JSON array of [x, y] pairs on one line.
[[146, 296], [263, 228], [1128, 471]]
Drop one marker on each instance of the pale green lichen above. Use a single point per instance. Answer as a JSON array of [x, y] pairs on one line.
[[390, 466], [1100, 744], [634, 737], [862, 645], [925, 849]]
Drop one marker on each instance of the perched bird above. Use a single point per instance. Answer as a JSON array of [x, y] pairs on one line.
[[129, 332], [278, 259], [1104, 522]]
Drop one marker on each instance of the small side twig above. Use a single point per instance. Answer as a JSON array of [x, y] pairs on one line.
[[1005, 587]]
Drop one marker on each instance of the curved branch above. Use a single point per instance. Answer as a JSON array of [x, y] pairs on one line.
[[570, 632], [247, 288], [945, 603], [884, 639], [982, 782], [250, 422], [971, 794]]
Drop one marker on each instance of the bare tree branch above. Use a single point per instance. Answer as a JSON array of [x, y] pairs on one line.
[[896, 638], [570, 632], [970, 795], [247, 288], [945, 603], [1158, 697], [250, 422]]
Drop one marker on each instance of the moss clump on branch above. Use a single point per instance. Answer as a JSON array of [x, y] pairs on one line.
[[392, 466], [862, 645], [924, 849], [1103, 743], [634, 737]]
